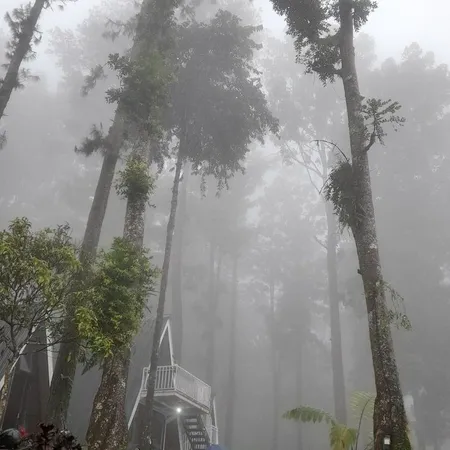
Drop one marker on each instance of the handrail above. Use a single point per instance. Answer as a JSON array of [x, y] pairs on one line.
[[175, 378]]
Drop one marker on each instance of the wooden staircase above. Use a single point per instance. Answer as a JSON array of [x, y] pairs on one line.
[[196, 432]]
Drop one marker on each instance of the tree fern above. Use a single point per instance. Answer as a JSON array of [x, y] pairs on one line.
[[341, 436], [308, 414]]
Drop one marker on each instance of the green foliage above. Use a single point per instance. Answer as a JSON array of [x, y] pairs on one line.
[[339, 190], [114, 298], [311, 23], [135, 182], [218, 103], [379, 112], [397, 315], [17, 21], [342, 437], [37, 272], [94, 142], [143, 89]]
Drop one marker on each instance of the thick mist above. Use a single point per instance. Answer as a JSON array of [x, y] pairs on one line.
[[263, 277]]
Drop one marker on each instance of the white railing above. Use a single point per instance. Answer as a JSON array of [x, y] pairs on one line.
[[213, 434], [212, 430], [175, 378]]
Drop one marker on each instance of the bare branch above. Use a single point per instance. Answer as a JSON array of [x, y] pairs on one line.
[[320, 242]]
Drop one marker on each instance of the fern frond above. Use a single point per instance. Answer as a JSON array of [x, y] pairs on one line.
[[306, 414], [362, 405], [342, 437]]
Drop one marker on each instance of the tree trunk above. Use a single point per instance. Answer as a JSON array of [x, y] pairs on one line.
[[66, 362], [299, 383], [4, 394], [275, 366], [389, 413], [340, 407], [177, 271], [108, 420], [11, 79], [148, 410], [212, 324], [108, 426], [231, 391]]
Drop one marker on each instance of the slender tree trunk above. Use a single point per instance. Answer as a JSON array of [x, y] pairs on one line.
[[231, 391], [66, 362], [4, 394], [177, 271], [340, 407], [337, 363], [299, 384], [11, 79], [389, 413], [212, 324], [149, 400], [275, 366], [108, 427]]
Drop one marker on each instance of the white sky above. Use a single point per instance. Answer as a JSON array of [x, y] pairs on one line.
[[395, 24]]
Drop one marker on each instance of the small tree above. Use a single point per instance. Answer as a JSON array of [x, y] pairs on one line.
[[37, 271]]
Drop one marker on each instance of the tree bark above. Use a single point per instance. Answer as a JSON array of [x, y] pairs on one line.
[[145, 441], [389, 412], [4, 394], [108, 420], [177, 271], [66, 362], [211, 325], [231, 391], [11, 79], [108, 426]]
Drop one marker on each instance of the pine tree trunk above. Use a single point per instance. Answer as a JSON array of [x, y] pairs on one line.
[[177, 271], [211, 326], [231, 391], [4, 394], [389, 413], [145, 439], [340, 407], [11, 79], [108, 426], [66, 362]]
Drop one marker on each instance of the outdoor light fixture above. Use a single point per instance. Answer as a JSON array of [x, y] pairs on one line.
[[386, 442], [179, 410]]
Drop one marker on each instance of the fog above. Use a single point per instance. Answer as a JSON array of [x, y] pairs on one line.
[[264, 290]]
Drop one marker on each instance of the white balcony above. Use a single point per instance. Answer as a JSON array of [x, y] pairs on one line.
[[176, 387]]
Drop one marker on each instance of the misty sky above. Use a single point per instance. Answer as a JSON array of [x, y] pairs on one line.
[[394, 25]]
